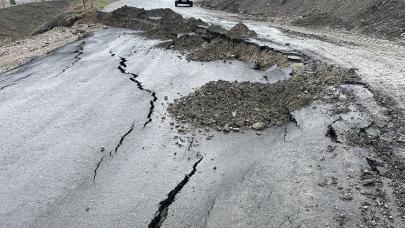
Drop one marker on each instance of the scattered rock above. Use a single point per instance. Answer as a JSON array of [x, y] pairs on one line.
[[259, 126], [368, 182], [277, 73], [294, 58], [235, 129], [254, 65], [331, 148], [226, 128], [346, 196]]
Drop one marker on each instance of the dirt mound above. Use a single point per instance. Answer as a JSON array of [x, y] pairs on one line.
[[257, 56], [22, 21], [240, 31], [194, 37], [384, 18], [215, 43], [158, 23], [63, 20], [240, 105]]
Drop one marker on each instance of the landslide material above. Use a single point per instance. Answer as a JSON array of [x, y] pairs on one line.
[[223, 104], [158, 23]]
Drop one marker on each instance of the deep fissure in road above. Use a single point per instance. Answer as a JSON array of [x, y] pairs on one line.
[[122, 68], [113, 152], [331, 133], [122, 140], [164, 205], [96, 169], [133, 77]]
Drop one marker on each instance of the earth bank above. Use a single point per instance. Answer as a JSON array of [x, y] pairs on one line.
[[381, 18]]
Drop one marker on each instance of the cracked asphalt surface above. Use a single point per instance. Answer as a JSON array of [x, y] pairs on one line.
[[87, 142]]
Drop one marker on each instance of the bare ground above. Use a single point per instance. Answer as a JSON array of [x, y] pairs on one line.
[[381, 18], [21, 52], [20, 22]]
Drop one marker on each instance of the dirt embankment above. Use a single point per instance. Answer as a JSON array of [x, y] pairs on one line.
[[195, 38], [383, 18], [22, 21], [158, 24], [31, 30]]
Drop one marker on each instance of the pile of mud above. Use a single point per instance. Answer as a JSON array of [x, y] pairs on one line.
[[158, 23], [241, 105], [240, 31], [223, 49], [383, 18], [195, 38]]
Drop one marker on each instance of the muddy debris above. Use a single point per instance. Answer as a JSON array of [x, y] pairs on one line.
[[195, 38], [247, 105], [156, 23], [261, 58], [240, 31]]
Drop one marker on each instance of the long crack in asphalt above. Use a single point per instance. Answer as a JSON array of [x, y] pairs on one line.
[[77, 57], [133, 77], [164, 205], [122, 140], [15, 81]]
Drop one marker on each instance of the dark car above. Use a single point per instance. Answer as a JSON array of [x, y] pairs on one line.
[[187, 3]]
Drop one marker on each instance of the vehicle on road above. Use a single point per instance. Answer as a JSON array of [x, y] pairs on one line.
[[186, 3]]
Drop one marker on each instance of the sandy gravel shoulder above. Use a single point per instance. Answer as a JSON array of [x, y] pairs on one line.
[[20, 52]]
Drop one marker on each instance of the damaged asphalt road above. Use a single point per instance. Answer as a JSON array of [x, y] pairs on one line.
[[96, 147], [91, 121]]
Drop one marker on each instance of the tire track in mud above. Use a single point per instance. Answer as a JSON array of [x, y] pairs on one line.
[[133, 77]]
